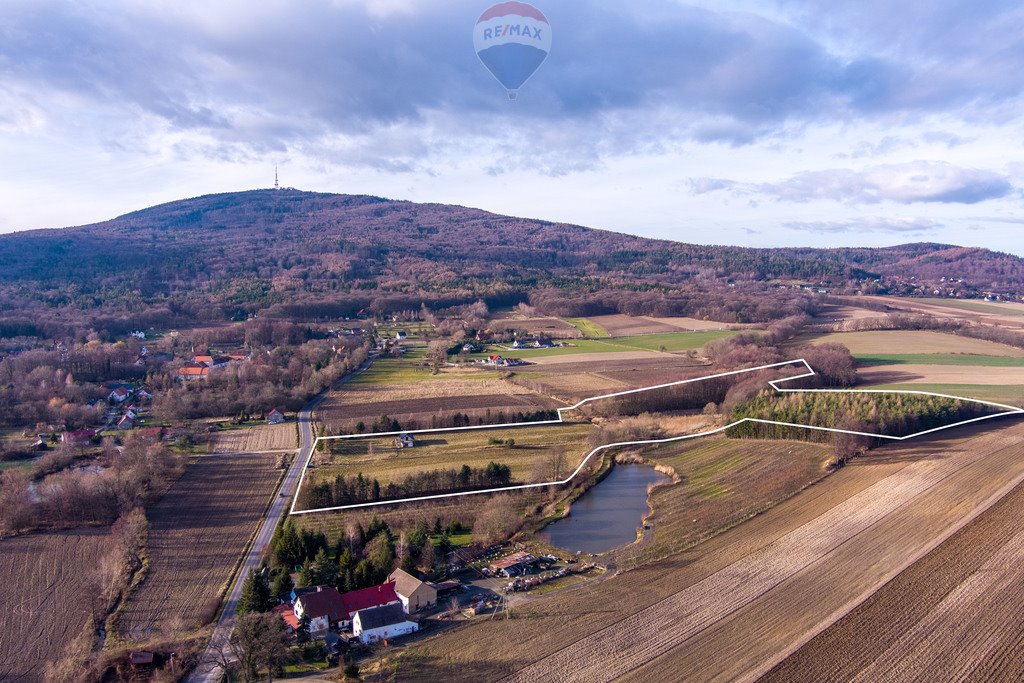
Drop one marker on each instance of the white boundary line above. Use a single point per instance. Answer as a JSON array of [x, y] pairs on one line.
[[1008, 410]]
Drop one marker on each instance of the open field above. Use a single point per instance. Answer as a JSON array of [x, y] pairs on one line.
[[940, 374], [593, 357], [953, 615], [1011, 394], [589, 327], [696, 325], [731, 607], [913, 341], [419, 402], [198, 531], [571, 381], [994, 313], [964, 359], [44, 597], [671, 342], [528, 458], [552, 327], [723, 481], [255, 439], [625, 325]]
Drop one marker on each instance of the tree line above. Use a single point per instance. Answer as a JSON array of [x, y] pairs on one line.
[[361, 489]]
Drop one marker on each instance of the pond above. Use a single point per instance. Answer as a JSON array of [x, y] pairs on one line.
[[608, 515]]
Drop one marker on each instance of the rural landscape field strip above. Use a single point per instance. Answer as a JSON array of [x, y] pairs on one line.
[[750, 641], [44, 597], [198, 530], [954, 614], [658, 629]]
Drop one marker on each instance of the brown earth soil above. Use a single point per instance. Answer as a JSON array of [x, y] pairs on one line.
[[731, 607], [44, 597], [953, 615], [198, 531]]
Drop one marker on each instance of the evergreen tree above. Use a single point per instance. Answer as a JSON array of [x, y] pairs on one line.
[[282, 582], [305, 575], [255, 593]]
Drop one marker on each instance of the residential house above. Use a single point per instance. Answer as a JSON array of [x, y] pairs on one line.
[[143, 394], [287, 615], [400, 335], [194, 371], [275, 417], [405, 441], [119, 395], [378, 623], [414, 594], [126, 422], [324, 608], [374, 596]]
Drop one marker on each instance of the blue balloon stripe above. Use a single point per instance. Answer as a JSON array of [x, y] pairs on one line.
[[512, 63]]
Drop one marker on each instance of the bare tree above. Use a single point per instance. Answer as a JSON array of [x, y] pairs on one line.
[[259, 641]]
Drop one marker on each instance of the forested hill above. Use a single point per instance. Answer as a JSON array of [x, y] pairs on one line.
[[302, 254]]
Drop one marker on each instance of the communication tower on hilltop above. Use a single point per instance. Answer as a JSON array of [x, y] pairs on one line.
[[277, 185]]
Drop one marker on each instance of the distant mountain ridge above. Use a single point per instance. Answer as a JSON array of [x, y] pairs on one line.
[[226, 255]]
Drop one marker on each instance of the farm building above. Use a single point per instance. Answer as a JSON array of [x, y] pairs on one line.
[[405, 441], [374, 596], [378, 623], [275, 417], [400, 335], [324, 608], [414, 594], [513, 565]]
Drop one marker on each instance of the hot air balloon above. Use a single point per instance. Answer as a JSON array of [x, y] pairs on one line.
[[512, 39]]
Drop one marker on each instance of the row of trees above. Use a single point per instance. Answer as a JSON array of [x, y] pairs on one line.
[[889, 414], [361, 489]]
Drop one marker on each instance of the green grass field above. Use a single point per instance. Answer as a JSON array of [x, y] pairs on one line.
[[976, 306], [410, 368], [588, 328], [378, 458], [671, 341], [16, 464], [1010, 394], [966, 359]]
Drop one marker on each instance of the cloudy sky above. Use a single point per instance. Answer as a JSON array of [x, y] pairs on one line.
[[727, 121]]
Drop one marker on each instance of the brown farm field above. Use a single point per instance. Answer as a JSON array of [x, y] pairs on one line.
[[915, 373], [553, 327], [198, 531], [953, 615], [619, 325], [913, 342], [415, 404], [571, 380], [255, 439], [735, 605], [44, 597]]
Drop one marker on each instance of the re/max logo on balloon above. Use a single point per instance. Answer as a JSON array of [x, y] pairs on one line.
[[509, 30], [512, 39]]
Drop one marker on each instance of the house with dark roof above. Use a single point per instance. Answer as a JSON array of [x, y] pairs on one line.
[[379, 623], [324, 608]]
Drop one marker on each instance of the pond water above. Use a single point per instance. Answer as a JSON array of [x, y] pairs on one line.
[[608, 515]]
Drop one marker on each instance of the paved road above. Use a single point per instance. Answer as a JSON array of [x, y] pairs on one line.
[[206, 673]]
